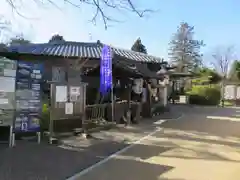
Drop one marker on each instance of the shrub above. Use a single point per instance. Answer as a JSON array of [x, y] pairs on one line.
[[204, 95], [44, 123]]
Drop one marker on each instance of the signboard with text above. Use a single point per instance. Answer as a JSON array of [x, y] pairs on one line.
[[7, 91], [28, 96]]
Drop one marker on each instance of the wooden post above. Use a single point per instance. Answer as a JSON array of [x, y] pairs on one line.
[[11, 136], [51, 111], [149, 99], [129, 102]]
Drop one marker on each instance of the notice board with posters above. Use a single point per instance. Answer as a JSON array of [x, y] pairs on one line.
[[7, 91], [28, 96]]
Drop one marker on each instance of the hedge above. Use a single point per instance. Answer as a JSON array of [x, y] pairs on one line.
[[204, 95]]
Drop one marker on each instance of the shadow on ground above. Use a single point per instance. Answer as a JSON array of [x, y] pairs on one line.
[[126, 170], [199, 136], [223, 128], [30, 161]]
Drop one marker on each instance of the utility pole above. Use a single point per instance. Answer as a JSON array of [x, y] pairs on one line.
[[223, 89]]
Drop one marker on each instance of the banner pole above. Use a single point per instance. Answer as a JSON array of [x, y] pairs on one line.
[[112, 99]]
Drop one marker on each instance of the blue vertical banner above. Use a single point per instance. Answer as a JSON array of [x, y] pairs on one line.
[[28, 96], [106, 70]]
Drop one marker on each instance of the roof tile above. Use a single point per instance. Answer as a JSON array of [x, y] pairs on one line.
[[79, 49]]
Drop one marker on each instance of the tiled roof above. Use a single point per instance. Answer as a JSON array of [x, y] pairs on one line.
[[141, 57], [65, 49], [78, 49], [137, 68]]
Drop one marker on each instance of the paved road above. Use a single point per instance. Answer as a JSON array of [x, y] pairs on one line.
[[30, 161], [202, 145]]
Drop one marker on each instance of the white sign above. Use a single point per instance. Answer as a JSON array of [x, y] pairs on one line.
[[61, 93], [69, 108], [9, 72], [74, 97], [238, 92], [183, 99], [74, 93], [7, 84], [4, 101], [74, 90], [229, 92]]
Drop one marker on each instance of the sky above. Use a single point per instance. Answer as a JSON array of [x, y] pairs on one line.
[[216, 22]]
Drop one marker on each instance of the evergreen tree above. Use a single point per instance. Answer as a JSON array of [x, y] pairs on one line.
[[184, 50], [139, 47], [3, 47], [18, 40], [56, 38], [210, 74], [234, 73]]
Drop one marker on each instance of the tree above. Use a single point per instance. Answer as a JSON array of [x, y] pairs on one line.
[[4, 24], [100, 6], [212, 76], [139, 47], [222, 58], [184, 50], [56, 38], [234, 73], [5, 28], [18, 40], [3, 47]]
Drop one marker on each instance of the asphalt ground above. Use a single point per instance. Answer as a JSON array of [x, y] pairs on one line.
[[204, 144]]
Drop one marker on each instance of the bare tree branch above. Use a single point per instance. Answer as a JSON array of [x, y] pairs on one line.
[[99, 5], [222, 58], [5, 26]]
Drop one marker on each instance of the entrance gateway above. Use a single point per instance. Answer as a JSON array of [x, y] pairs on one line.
[[20, 97]]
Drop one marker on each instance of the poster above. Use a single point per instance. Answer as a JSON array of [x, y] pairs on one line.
[[74, 90], [7, 91], [28, 96], [69, 108], [26, 122], [61, 94], [4, 101], [7, 84], [7, 67], [74, 93]]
